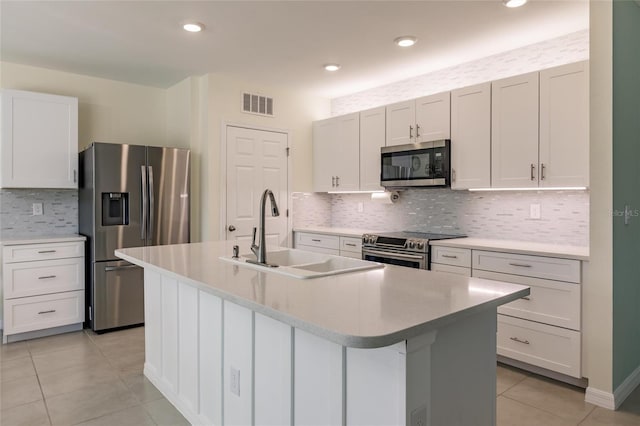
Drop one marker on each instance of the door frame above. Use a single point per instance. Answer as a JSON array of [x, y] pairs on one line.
[[223, 174]]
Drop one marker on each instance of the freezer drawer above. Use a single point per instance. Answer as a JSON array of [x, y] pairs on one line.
[[118, 295]]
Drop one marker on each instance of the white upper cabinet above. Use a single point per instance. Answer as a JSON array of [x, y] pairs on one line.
[[372, 138], [336, 154], [564, 125], [433, 117], [39, 140], [419, 120], [401, 123], [514, 132], [471, 137]]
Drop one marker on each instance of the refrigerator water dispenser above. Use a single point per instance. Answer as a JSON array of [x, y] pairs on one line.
[[115, 208]]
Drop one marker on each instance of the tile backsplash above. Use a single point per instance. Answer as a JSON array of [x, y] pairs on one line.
[[562, 50], [497, 215], [60, 212]]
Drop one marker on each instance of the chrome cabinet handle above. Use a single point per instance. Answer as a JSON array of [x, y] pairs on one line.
[[542, 167], [526, 298], [47, 312], [515, 339], [333, 181], [450, 256], [410, 132], [46, 251], [349, 244], [533, 171], [75, 176], [46, 277], [520, 265], [453, 175], [316, 241], [417, 131]]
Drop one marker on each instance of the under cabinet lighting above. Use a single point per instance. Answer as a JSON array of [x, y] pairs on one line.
[[557, 188]]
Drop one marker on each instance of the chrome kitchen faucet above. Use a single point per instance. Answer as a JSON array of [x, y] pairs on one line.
[[260, 250]]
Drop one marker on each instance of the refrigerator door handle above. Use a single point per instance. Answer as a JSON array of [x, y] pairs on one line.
[[151, 203], [145, 207]]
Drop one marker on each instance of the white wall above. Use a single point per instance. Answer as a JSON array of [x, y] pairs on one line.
[[598, 288], [109, 111], [294, 111]]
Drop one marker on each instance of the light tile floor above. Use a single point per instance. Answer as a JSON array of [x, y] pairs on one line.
[[87, 379]]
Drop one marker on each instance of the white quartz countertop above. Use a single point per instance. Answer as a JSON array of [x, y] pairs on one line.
[[520, 247], [343, 232], [374, 308], [14, 241]]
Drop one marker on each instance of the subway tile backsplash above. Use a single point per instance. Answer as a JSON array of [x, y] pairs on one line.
[[60, 213], [497, 215]]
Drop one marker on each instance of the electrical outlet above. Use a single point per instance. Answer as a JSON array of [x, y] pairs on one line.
[[234, 385], [360, 207], [419, 416], [534, 211], [37, 209]]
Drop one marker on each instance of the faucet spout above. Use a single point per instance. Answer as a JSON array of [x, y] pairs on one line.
[[260, 250]]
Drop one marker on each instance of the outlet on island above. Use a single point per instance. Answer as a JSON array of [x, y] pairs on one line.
[[234, 381], [37, 209]]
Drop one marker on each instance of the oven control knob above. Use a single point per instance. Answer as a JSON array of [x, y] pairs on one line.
[[365, 239], [420, 245], [412, 244]]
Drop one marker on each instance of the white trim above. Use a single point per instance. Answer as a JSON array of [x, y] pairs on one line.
[[600, 398], [626, 387], [223, 175]]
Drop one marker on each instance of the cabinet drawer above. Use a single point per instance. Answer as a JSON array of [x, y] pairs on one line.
[[353, 245], [550, 268], [38, 312], [351, 254], [459, 270], [318, 240], [550, 302], [451, 256], [42, 277], [553, 348], [29, 252]]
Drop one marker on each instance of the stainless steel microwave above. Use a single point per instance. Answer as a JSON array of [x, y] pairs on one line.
[[416, 164]]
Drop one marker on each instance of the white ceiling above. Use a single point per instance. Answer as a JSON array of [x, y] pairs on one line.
[[274, 42]]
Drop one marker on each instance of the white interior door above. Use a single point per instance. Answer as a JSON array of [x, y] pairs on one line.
[[256, 160]]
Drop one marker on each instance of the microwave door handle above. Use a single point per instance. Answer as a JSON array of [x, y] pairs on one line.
[[143, 215], [151, 204]]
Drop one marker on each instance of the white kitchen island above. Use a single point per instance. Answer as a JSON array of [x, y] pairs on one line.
[[234, 345]]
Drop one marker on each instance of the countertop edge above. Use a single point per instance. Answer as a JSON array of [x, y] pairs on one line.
[[352, 341], [42, 240]]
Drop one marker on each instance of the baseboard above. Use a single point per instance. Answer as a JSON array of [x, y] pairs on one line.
[[600, 398], [626, 387], [42, 333], [614, 400]]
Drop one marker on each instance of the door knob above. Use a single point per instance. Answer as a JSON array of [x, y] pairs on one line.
[[231, 228]]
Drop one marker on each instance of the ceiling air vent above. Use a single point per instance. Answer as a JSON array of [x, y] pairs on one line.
[[257, 104]]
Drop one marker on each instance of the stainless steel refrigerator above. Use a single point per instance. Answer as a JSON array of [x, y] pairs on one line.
[[129, 196]]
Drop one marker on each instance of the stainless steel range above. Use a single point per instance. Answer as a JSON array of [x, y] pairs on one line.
[[401, 248]]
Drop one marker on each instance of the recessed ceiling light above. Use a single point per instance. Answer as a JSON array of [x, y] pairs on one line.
[[193, 27], [513, 3], [405, 41], [332, 67]]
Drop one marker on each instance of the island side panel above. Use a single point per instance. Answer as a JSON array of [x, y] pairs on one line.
[[210, 362], [318, 384], [188, 346], [153, 324], [463, 360], [273, 373], [237, 365]]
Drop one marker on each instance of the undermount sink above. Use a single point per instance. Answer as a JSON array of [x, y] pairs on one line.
[[305, 264]]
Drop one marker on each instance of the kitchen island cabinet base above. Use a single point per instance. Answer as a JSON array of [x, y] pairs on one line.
[[221, 363]]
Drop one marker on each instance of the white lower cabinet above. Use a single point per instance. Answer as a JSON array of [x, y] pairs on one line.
[[43, 288], [554, 348], [542, 329], [329, 244]]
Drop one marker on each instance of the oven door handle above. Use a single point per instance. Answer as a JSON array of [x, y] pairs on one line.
[[392, 255]]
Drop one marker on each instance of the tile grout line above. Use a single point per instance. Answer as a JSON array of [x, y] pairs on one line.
[[541, 409], [44, 400]]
